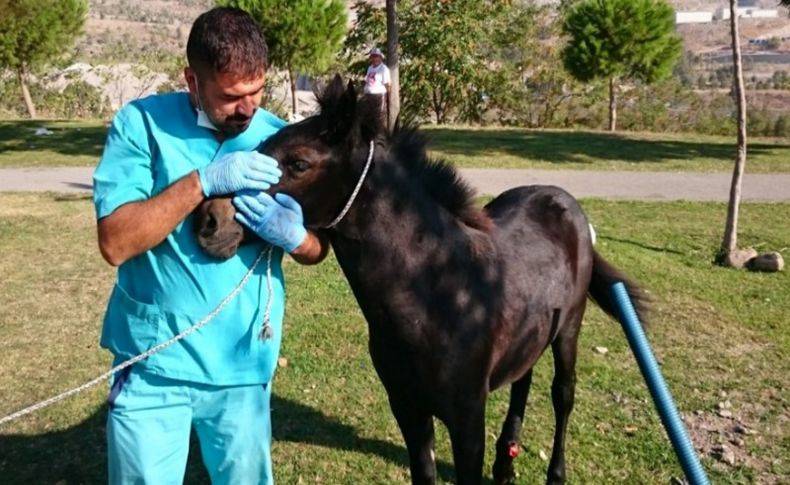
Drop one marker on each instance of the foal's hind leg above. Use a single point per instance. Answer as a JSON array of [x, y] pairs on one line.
[[507, 445], [562, 394]]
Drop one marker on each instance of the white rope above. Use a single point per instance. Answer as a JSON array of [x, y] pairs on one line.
[[356, 189], [163, 345]]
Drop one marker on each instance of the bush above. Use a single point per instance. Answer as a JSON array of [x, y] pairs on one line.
[[78, 100]]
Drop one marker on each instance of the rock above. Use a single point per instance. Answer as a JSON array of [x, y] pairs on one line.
[[725, 404], [543, 456], [282, 362], [601, 350], [737, 442], [740, 429], [739, 257], [767, 262], [725, 413], [724, 454]]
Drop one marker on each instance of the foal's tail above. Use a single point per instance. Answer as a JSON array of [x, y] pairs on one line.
[[604, 275]]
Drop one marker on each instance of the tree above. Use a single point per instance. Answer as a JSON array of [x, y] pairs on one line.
[[393, 40], [303, 35], [730, 240], [35, 31], [445, 51], [618, 40]]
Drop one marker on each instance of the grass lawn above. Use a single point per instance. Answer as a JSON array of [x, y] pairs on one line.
[[588, 150], [722, 336], [71, 144], [79, 143]]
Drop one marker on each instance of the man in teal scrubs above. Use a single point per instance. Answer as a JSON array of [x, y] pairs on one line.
[[164, 154]]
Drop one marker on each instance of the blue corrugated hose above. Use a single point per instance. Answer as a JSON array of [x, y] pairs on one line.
[[695, 474]]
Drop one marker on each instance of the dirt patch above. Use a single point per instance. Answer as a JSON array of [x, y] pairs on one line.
[[733, 438]]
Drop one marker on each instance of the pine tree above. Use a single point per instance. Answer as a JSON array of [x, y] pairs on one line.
[[619, 40], [303, 35], [34, 31]]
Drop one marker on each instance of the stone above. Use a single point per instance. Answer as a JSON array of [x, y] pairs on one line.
[[724, 454], [725, 413], [739, 257], [543, 456], [767, 262], [601, 350]]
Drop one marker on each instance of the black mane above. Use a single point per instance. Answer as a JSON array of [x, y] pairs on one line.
[[439, 177], [408, 146]]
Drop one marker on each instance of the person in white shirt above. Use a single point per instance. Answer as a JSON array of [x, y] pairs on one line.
[[377, 80]]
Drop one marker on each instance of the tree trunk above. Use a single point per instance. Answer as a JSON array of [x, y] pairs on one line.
[[294, 101], [392, 63], [22, 76], [612, 104], [730, 241]]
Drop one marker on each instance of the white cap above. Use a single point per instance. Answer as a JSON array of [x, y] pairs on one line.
[[375, 52]]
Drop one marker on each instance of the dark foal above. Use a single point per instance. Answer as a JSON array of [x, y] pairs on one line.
[[459, 301]]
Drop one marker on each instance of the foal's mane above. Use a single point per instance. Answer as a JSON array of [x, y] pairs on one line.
[[407, 146], [440, 179]]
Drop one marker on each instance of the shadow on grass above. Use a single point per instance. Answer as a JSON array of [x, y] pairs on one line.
[[580, 147], [643, 245], [67, 138], [78, 454], [297, 423]]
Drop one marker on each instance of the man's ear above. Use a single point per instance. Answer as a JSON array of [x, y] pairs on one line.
[[191, 79]]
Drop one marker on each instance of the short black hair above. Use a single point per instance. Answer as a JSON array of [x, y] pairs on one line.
[[227, 40]]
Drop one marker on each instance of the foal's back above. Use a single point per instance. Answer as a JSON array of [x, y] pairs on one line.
[[543, 237]]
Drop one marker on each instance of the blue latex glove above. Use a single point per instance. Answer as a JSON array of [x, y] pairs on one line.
[[277, 219], [239, 171]]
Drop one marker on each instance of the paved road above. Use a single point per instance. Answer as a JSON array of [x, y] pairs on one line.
[[615, 185]]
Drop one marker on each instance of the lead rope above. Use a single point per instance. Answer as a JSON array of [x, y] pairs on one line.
[[158, 348]]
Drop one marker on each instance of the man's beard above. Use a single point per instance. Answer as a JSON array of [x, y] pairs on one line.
[[233, 125]]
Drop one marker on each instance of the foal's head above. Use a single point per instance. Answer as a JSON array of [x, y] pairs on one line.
[[320, 158]]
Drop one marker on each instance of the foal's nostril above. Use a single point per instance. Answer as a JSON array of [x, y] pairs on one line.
[[210, 226]]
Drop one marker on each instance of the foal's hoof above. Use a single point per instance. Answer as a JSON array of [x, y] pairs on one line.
[[503, 471]]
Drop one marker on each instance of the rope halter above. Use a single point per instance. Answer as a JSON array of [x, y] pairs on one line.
[[356, 189]]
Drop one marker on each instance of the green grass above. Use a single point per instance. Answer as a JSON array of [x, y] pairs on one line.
[[714, 330], [80, 144], [72, 143], [588, 150]]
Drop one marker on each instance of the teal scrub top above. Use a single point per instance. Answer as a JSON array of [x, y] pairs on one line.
[[151, 144]]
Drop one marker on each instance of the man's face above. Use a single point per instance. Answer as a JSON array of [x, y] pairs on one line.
[[375, 60], [229, 100]]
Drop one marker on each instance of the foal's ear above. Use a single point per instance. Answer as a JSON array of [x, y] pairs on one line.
[[338, 107]]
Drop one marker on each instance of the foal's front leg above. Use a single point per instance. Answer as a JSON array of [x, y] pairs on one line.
[[416, 425], [467, 434]]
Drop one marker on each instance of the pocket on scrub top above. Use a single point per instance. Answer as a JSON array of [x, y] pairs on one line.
[[130, 326]]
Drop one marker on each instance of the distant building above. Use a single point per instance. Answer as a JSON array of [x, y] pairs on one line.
[[723, 13], [696, 17]]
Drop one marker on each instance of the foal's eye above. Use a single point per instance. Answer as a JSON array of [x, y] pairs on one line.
[[298, 165]]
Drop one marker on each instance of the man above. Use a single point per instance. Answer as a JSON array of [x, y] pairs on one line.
[[377, 81], [164, 154]]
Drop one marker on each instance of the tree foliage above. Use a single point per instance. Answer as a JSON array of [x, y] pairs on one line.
[[36, 31], [303, 35], [448, 61], [32, 31], [621, 39]]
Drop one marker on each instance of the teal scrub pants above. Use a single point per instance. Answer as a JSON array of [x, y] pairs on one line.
[[151, 417]]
